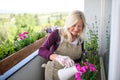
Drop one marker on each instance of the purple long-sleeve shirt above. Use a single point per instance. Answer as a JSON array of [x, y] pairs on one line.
[[51, 44]]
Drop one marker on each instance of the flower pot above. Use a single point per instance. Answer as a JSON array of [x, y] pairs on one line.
[[16, 57]]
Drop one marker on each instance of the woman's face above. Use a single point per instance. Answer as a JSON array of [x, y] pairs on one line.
[[76, 28]]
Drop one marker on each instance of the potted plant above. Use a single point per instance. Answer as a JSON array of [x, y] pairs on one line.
[[24, 45], [90, 63]]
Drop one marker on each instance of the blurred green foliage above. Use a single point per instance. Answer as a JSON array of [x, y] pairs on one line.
[[25, 20], [3, 35], [11, 25]]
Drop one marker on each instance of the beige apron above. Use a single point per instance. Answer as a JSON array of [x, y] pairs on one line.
[[71, 50]]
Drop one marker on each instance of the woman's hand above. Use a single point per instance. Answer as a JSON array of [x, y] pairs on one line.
[[53, 56], [64, 61]]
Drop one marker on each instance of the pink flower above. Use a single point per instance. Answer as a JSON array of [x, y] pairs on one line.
[[78, 66], [78, 76], [22, 35], [92, 68], [86, 63], [84, 69], [81, 69]]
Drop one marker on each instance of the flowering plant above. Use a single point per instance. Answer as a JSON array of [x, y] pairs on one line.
[[89, 67], [22, 35], [84, 70], [51, 29], [23, 39]]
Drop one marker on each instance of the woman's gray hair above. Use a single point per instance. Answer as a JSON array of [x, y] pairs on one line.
[[72, 19]]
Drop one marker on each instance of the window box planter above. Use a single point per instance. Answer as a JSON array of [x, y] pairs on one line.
[[15, 58]]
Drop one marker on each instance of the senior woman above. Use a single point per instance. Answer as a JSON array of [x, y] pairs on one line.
[[64, 46]]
